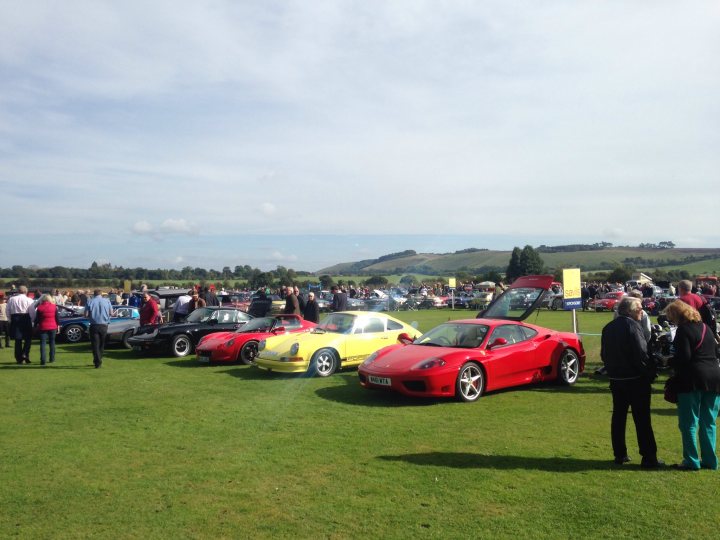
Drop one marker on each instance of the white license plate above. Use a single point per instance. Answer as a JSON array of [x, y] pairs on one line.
[[204, 359], [383, 381]]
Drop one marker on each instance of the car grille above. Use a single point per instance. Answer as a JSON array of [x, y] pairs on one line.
[[415, 386]]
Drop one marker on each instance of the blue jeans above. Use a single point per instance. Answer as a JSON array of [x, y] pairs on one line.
[[697, 414], [47, 336]]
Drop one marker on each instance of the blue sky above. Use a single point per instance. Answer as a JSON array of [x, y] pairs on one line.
[[308, 133]]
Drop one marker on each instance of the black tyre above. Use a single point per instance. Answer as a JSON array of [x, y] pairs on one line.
[[248, 353], [470, 382], [181, 346], [324, 363], [73, 333], [568, 367], [556, 304]]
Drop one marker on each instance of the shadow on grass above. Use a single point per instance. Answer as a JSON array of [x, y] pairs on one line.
[[460, 460], [252, 373]]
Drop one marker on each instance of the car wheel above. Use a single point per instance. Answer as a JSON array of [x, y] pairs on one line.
[[470, 382], [73, 333], [181, 346], [324, 363], [248, 353], [556, 304], [568, 367], [126, 336]]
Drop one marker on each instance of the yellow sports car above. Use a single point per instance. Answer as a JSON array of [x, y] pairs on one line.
[[342, 339]]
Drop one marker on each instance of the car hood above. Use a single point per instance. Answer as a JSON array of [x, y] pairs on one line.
[[212, 340], [403, 358], [309, 341]]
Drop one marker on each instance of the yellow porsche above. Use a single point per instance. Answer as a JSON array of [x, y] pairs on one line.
[[342, 339]]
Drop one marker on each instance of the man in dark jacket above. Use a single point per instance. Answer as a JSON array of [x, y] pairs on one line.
[[339, 301], [292, 307], [312, 309], [631, 372]]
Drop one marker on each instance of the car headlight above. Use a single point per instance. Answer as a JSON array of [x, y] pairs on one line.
[[429, 363], [261, 345], [294, 348], [370, 359]]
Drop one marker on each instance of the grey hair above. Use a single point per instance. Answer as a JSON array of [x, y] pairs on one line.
[[628, 306], [685, 285]]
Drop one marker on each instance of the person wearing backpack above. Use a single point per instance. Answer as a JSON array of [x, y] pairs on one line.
[[698, 386]]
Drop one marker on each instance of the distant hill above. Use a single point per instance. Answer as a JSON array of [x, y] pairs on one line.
[[479, 261]]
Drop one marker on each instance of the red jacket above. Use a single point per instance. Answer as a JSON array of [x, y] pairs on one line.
[[46, 316], [149, 312]]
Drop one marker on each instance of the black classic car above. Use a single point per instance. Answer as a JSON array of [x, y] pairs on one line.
[[181, 338]]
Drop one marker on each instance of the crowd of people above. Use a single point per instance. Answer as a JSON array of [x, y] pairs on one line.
[[631, 371]]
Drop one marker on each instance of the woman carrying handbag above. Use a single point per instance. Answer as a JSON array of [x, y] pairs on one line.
[[697, 375]]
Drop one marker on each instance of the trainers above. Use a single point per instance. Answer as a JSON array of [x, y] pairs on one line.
[[621, 460], [657, 464]]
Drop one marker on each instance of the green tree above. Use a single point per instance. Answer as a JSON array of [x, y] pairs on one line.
[[376, 281], [620, 274], [514, 270], [530, 262]]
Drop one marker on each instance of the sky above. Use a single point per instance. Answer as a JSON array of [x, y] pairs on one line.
[[218, 133]]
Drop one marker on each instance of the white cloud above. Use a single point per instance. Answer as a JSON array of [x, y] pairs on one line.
[[178, 226], [142, 227], [277, 256]]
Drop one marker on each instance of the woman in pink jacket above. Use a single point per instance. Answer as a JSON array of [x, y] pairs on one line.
[[47, 322]]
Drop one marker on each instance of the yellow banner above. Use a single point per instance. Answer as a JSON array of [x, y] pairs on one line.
[[571, 283], [451, 282]]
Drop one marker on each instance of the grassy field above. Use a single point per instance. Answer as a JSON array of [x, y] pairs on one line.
[[166, 448]]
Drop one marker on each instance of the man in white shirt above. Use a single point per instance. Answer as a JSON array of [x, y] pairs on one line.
[[18, 310], [181, 307]]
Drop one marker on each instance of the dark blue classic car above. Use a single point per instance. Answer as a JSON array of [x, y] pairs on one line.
[[124, 321]]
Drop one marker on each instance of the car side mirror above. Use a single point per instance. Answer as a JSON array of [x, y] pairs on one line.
[[499, 341], [405, 338], [279, 330]]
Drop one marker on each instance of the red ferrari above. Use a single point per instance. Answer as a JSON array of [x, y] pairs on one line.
[[466, 358], [241, 345]]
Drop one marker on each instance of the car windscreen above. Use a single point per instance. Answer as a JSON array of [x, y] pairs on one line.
[[515, 303], [261, 324], [464, 336], [339, 323], [200, 315]]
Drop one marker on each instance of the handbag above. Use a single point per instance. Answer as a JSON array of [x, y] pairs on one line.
[[671, 385]]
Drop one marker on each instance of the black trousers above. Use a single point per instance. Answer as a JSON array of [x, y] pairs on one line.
[[4, 333], [632, 394], [97, 340], [21, 332]]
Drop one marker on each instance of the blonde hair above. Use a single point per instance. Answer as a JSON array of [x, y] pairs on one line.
[[47, 298], [679, 312]]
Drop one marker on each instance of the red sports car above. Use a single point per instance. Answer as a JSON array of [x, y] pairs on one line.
[[241, 345], [607, 301], [465, 358]]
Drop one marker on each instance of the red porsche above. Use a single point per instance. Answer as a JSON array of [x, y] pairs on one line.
[[466, 358], [242, 345]]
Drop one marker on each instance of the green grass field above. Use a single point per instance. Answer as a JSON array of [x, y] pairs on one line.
[[167, 448]]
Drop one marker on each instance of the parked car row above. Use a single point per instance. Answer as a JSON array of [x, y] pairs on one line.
[[461, 358]]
